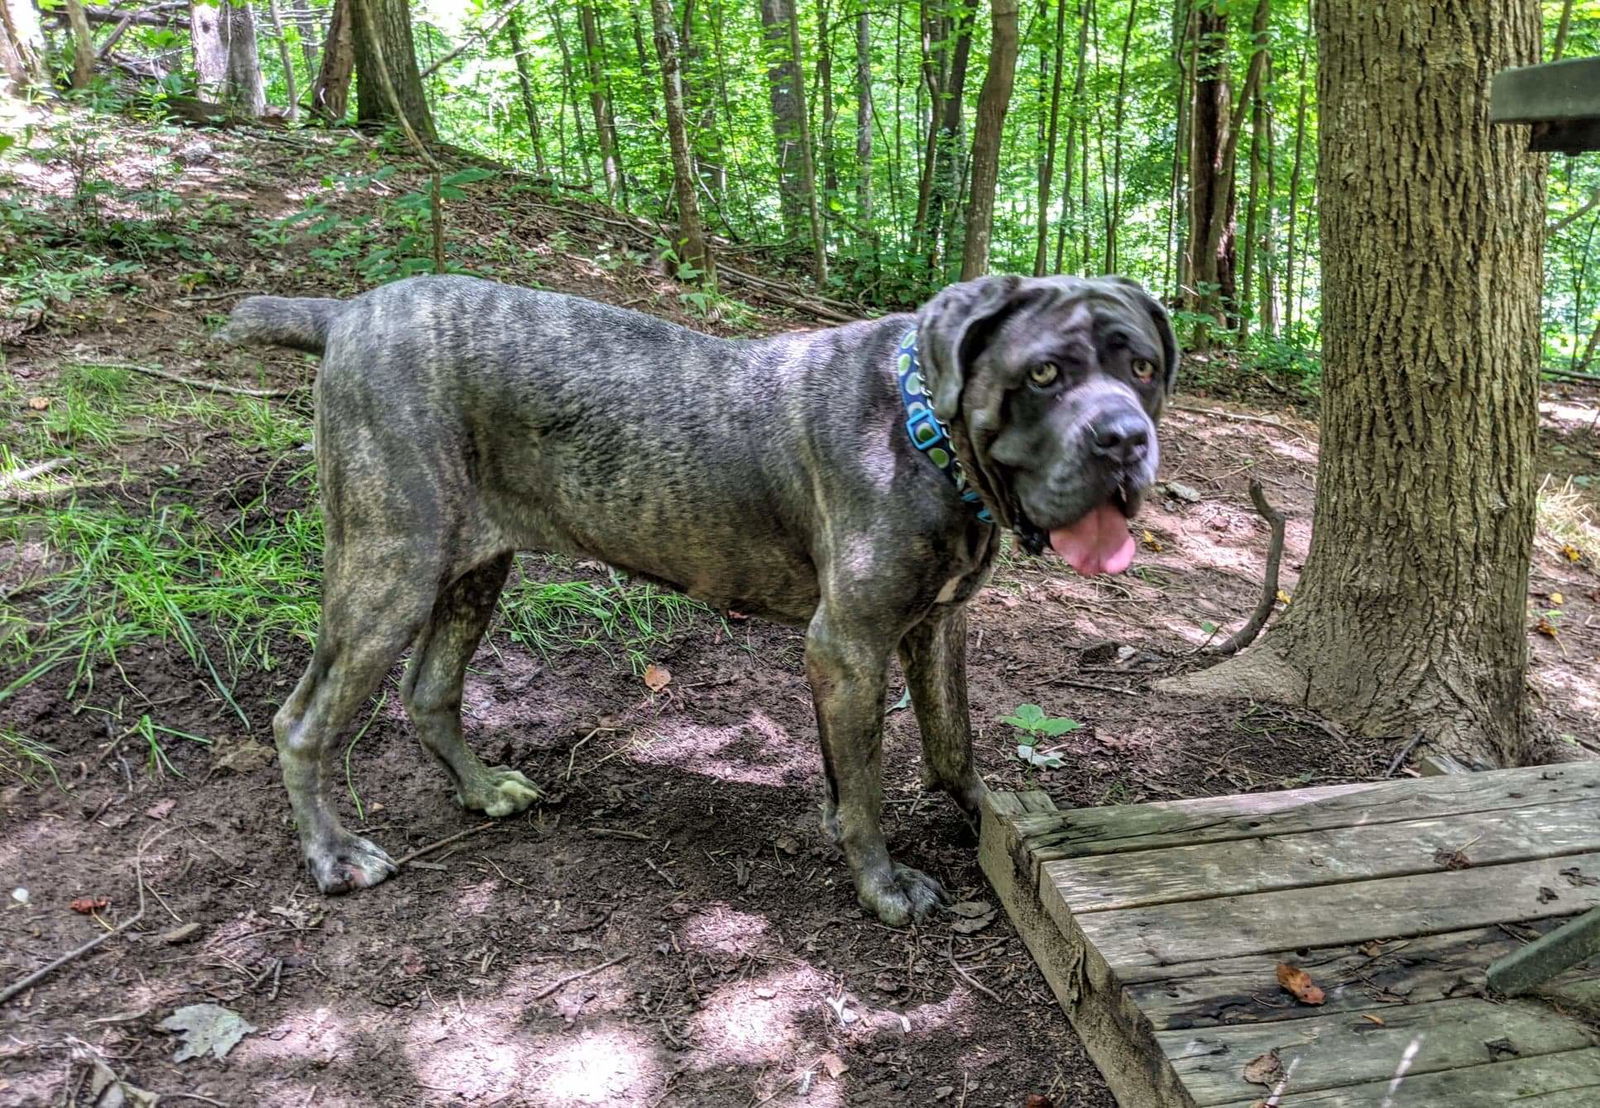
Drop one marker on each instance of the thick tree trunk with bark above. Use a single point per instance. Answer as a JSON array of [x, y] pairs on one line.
[[384, 47], [784, 89], [1411, 611], [993, 102], [22, 46], [330, 92], [691, 238], [1213, 261], [224, 37]]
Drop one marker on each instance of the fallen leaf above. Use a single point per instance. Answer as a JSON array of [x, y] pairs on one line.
[[766, 993], [787, 843], [89, 905], [1151, 542], [39, 403], [1545, 627], [161, 809], [206, 1029], [1557, 599], [1038, 1100], [1373, 948], [243, 757], [1451, 859], [107, 1090], [1370, 1018], [1264, 1069], [1576, 876], [973, 916], [1298, 982], [1571, 553], [1283, 597], [181, 934], [834, 1064], [657, 677], [1547, 894]]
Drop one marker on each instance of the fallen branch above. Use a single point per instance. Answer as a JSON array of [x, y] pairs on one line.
[[1240, 417], [431, 847], [562, 982], [73, 955], [1569, 374], [213, 386], [1269, 586], [28, 473], [974, 982], [209, 296]]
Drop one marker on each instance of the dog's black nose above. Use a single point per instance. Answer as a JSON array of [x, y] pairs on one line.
[[1121, 437]]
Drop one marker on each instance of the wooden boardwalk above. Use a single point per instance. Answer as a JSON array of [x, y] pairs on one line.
[[1160, 928]]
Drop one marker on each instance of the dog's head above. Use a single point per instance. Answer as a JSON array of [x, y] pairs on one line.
[[1051, 388]]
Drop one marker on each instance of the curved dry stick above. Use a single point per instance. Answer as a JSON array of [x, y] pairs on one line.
[[1269, 587]]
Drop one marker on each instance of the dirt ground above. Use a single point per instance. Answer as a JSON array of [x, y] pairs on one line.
[[669, 927]]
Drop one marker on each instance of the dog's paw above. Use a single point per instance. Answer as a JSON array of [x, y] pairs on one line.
[[908, 895], [499, 792], [348, 863]]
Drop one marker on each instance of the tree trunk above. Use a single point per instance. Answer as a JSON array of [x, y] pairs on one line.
[[569, 84], [605, 126], [1052, 124], [286, 60], [382, 34], [306, 24], [82, 45], [808, 170], [1063, 225], [1411, 612], [1259, 44], [1267, 246], [330, 92], [691, 238], [864, 118], [1176, 268], [948, 112], [224, 38], [784, 90], [1114, 215], [1211, 194], [22, 46], [1290, 294], [530, 103], [994, 100], [830, 167]]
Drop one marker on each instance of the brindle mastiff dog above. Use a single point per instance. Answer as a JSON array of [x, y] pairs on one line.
[[460, 420]]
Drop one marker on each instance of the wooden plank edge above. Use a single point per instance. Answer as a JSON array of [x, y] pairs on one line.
[[1118, 1039]]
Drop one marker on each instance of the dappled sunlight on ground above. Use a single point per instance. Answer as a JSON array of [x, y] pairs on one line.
[[758, 751]]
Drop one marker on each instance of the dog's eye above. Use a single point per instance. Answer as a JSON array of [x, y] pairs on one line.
[[1143, 370], [1044, 374]]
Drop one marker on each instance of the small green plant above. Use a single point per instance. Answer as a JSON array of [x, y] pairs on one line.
[[26, 759], [1032, 725]]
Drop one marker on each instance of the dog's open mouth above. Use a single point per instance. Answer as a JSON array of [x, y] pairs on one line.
[[1100, 541]]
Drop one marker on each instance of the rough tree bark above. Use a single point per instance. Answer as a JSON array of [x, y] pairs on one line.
[[224, 37], [1211, 194], [82, 45], [382, 30], [1411, 611], [784, 90], [22, 46], [605, 124], [691, 238], [994, 100], [330, 92]]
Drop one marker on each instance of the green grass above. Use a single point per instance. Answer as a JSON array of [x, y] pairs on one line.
[[26, 759]]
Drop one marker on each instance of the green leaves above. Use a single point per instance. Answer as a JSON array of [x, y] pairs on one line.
[[1032, 721]]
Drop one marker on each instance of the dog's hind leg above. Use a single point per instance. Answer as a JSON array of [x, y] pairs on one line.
[[933, 655], [369, 614], [432, 690]]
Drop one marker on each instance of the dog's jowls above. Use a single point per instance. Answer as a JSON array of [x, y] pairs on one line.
[[460, 420]]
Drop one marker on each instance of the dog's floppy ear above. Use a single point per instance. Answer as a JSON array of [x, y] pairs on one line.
[[1163, 322], [952, 330]]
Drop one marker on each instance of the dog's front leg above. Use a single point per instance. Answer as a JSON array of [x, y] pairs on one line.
[[847, 665]]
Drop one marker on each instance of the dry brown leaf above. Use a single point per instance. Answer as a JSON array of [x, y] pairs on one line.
[[161, 809], [1451, 859], [39, 403], [1571, 553], [88, 905], [834, 1064], [1370, 1018], [657, 677], [1545, 627], [1298, 982], [1264, 1069], [1038, 1100]]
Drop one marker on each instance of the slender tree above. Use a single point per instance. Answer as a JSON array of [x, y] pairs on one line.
[[1052, 127], [864, 117], [1119, 114], [306, 24], [330, 92], [285, 60], [993, 102], [1410, 616], [605, 125], [1074, 123], [530, 103], [82, 45], [691, 238]]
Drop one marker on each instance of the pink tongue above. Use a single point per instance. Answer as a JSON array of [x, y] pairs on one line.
[[1098, 543]]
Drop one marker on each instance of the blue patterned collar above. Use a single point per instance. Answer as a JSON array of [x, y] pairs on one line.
[[928, 433]]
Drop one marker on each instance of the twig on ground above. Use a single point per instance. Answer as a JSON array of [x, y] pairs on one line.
[[1241, 417], [1269, 585], [562, 982], [973, 981], [73, 955], [1405, 752], [204, 297], [1092, 685], [212, 386], [431, 847], [28, 473]]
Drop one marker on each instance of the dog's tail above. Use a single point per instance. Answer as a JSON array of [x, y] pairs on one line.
[[296, 322]]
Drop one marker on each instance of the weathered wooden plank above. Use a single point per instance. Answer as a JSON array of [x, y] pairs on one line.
[[1327, 1051], [1365, 978], [1116, 1035], [1575, 941], [1112, 881], [1569, 1080], [1554, 91], [1082, 831], [1395, 907]]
